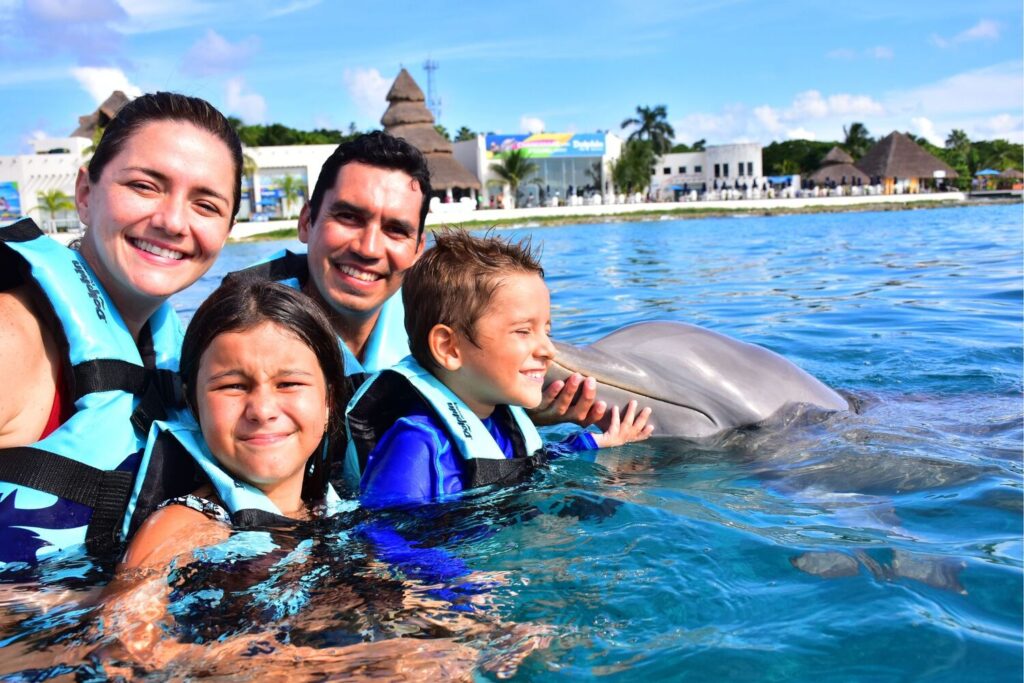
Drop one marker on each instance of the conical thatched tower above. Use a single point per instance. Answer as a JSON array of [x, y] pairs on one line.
[[837, 167], [88, 124], [896, 157], [407, 117]]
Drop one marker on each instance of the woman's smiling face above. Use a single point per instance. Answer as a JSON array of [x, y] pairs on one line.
[[159, 213]]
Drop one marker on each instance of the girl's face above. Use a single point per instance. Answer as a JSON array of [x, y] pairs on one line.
[[159, 214], [261, 397]]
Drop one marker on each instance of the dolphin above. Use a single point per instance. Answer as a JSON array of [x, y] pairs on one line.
[[698, 383]]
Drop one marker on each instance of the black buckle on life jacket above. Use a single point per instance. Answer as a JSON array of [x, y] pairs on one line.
[[157, 388]]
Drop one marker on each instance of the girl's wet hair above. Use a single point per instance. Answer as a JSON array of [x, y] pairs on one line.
[[166, 106], [241, 304]]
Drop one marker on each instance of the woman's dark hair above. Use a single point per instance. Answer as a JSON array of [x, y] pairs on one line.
[[166, 106], [241, 304]]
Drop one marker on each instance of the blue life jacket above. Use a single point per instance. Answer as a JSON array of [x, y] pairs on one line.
[[389, 395], [247, 505], [387, 344], [74, 485]]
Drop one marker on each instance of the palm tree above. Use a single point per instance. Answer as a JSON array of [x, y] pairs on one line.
[[291, 188], [652, 125], [856, 139], [964, 157], [464, 134], [54, 201], [631, 172], [249, 168], [594, 173], [515, 169]]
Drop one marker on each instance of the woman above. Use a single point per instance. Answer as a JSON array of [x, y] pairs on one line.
[[87, 338]]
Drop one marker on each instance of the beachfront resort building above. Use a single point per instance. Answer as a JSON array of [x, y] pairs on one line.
[[717, 167], [901, 166], [570, 168]]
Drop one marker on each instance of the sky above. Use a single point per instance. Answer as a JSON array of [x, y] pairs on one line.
[[727, 71]]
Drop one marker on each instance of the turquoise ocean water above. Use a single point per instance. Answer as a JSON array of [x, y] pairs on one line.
[[882, 544]]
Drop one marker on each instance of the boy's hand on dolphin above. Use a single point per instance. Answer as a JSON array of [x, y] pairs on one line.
[[573, 400], [631, 426]]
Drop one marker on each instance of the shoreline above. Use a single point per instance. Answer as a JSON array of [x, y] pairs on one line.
[[574, 215]]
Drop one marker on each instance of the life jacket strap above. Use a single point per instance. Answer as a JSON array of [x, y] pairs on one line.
[[106, 492], [489, 472]]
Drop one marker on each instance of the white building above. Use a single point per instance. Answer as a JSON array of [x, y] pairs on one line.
[[568, 165], [718, 166], [24, 177]]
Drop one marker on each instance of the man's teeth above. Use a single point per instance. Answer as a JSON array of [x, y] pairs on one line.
[[159, 251], [359, 274]]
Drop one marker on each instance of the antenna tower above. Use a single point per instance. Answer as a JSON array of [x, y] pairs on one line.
[[433, 101]]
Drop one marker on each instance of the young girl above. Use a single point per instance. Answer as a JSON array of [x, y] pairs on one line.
[[263, 375]]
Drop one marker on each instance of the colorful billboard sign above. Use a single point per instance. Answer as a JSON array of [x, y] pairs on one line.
[[10, 202], [545, 145]]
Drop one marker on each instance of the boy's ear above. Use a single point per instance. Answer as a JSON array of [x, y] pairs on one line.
[[444, 347]]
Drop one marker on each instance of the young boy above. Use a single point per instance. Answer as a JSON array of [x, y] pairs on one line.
[[450, 416]]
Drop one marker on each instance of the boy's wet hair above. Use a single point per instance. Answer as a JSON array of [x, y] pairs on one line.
[[453, 283], [244, 303]]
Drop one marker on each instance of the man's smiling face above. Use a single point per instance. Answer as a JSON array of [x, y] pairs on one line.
[[364, 238]]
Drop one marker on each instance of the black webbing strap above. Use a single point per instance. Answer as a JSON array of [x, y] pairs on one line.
[[156, 388], [488, 472], [24, 230], [286, 267], [105, 492]]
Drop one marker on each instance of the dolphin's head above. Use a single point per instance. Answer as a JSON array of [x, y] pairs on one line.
[[697, 383]]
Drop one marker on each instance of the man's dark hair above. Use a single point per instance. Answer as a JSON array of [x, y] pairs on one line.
[[374, 149], [167, 106]]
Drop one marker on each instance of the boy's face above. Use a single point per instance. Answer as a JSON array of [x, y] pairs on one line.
[[506, 366]]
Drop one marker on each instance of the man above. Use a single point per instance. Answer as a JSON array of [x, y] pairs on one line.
[[364, 227]]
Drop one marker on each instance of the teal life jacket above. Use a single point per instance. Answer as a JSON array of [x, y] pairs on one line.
[[389, 395], [388, 342], [247, 505], [74, 485]]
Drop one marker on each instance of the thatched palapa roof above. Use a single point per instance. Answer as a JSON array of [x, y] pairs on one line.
[[897, 156], [837, 155], [407, 117], [837, 166], [88, 124], [841, 174]]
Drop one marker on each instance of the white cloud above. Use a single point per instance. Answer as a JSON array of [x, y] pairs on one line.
[[531, 124], [74, 10], [81, 27], [998, 87], [248, 106], [100, 81], [1002, 126], [292, 7], [368, 90], [877, 52], [841, 53], [983, 30], [926, 129], [986, 29], [213, 54], [801, 134]]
